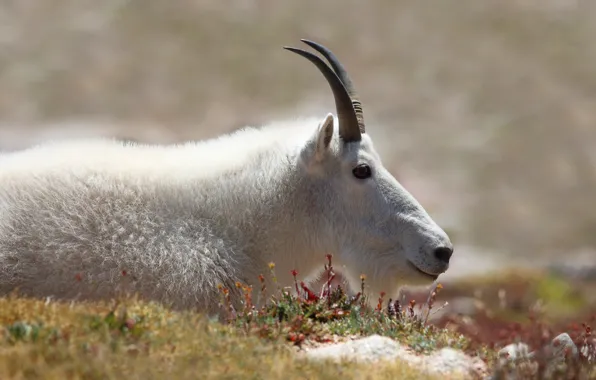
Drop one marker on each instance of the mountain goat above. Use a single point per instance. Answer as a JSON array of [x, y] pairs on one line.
[[179, 220]]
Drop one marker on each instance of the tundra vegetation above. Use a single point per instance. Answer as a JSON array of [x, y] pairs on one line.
[[130, 338]]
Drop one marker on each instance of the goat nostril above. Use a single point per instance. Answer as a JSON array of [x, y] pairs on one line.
[[443, 254]]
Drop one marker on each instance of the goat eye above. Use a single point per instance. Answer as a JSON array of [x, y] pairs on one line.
[[362, 171]]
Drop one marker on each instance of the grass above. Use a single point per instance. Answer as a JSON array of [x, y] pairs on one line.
[[483, 108], [139, 340], [318, 316], [528, 306], [131, 338], [511, 293]]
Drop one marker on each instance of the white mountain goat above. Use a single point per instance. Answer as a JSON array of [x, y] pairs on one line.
[[180, 220]]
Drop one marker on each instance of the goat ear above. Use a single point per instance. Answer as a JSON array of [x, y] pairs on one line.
[[324, 137]]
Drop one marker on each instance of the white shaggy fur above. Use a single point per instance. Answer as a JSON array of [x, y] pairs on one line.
[[182, 219]]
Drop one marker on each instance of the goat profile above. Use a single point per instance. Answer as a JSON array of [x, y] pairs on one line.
[[180, 220]]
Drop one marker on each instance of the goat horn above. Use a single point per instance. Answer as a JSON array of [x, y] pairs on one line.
[[348, 121], [343, 76]]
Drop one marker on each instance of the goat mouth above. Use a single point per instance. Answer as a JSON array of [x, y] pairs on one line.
[[429, 275]]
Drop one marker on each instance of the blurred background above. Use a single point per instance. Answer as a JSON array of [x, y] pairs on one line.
[[484, 110]]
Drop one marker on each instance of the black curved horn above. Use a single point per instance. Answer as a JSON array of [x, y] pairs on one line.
[[341, 72], [348, 121]]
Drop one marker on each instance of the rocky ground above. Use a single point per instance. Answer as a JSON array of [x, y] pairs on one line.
[[452, 363], [538, 321]]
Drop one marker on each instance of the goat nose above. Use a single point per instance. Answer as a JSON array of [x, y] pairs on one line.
[[443, 254]]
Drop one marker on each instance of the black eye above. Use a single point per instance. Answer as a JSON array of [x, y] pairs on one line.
[[362, 171]]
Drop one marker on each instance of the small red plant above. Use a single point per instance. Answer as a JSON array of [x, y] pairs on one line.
[[295, 275], [310, 295], [411, 308], [263, 289], [380, 304], [326, 291]]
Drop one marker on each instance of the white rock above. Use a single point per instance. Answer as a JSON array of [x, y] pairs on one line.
[[563, 343], [514, 352], [376, 347], [372, 348], [449, 361]]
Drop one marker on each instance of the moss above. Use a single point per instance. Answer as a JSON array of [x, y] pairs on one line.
[[559, 296]]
